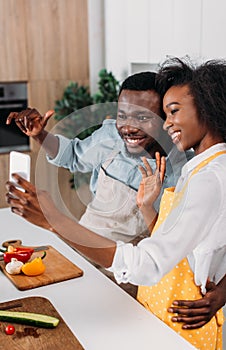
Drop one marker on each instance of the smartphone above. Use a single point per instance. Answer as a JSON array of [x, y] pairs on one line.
[[19, 163]]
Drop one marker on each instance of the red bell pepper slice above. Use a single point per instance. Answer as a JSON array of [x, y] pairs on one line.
[[21, 255], [23, 249]]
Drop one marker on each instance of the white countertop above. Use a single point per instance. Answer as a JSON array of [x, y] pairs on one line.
[[99, 313]]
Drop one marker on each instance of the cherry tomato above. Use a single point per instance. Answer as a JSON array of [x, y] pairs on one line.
[[10, 329]]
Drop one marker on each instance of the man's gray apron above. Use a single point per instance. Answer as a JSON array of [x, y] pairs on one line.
[[113, 212]]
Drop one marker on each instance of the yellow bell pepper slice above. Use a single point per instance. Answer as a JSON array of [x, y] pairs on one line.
[[35, 267]]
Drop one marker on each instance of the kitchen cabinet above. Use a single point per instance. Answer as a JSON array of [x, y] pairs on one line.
[[148, 31], [174, 28], [159, 28], [213, 29], [14, 64], [57, 39]]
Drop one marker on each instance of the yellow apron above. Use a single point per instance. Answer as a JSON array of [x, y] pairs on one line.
[[179, 284]]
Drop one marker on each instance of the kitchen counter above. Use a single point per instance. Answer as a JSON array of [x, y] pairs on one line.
[[100, 314]]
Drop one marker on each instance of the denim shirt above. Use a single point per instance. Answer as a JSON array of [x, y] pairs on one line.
[[90, 154]]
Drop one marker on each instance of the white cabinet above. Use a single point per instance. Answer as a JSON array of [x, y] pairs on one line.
[[213, 29], [146, 31], [156, 29], [137, 30], [174, 28]]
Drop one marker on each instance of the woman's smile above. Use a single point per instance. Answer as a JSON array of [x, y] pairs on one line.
[[175, 136]]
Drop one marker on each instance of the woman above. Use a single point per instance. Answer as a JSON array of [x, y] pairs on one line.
[[192, 231], [190, 103]]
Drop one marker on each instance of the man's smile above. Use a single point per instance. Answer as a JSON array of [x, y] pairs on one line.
[[133, 141]]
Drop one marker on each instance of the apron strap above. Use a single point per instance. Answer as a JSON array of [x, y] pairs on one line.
[[195, 171], [110, 158], [201, 165], [205, 162]]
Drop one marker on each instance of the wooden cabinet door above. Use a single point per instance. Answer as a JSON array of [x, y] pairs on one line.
[[13, 65]]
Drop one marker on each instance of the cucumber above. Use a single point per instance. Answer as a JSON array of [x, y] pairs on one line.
[[28, 318]]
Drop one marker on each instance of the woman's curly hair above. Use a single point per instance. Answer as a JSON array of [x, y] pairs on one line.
[[207, 85]]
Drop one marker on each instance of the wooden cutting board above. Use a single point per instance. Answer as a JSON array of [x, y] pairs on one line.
[[58, 268], [28, 337]]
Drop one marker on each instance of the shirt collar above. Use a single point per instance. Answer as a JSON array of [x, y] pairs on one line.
[[191, 164]]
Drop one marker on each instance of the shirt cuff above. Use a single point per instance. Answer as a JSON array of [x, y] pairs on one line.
[[120, 264]]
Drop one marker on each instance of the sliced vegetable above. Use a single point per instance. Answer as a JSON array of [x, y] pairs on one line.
[[19, 253], [28, 318], [35, 267], [10, 329], [12, 249]]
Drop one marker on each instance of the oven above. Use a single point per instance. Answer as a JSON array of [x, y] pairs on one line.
[[13, 98]]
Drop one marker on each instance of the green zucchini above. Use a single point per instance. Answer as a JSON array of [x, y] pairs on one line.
[[28, 318]]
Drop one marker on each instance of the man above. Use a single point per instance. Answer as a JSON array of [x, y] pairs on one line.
[[112, 154]]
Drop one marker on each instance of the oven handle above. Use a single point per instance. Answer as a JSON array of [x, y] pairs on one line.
[[12, 105]]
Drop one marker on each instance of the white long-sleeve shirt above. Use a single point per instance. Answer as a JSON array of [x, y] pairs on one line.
[[195, 229]]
